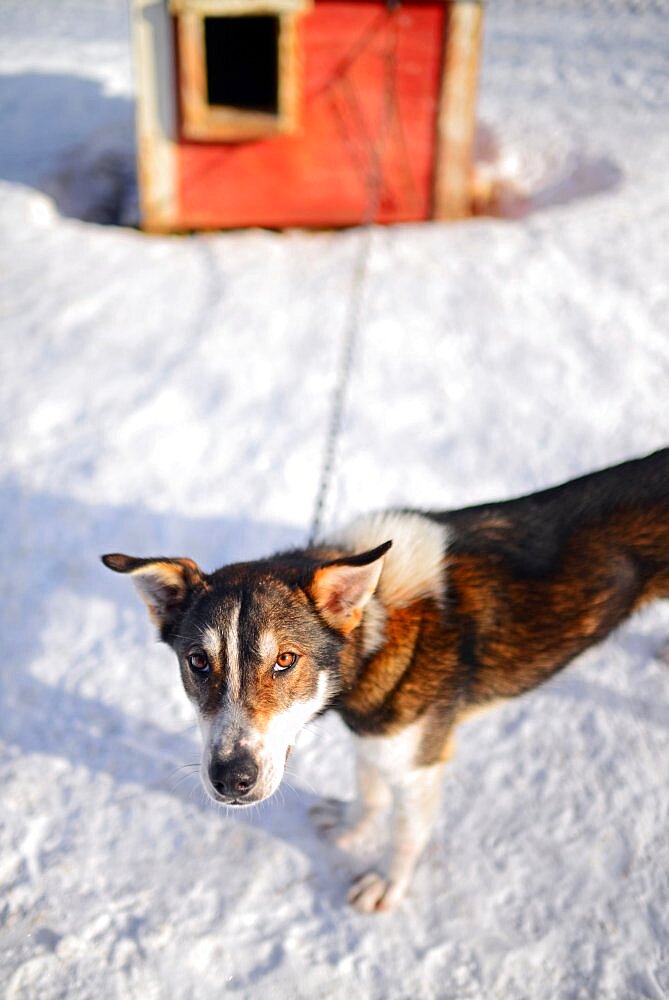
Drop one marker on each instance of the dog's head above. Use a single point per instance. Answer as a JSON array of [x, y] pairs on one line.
[[260, 648]]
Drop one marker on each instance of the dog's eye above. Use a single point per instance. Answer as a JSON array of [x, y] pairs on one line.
[[285, 661], [198, 663]]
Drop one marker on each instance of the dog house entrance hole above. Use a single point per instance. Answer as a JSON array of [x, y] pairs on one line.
[[242, 60]]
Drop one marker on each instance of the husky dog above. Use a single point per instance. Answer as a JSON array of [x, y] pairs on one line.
[[404, 623]]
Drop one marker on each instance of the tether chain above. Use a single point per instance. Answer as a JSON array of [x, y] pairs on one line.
[[355, 300]]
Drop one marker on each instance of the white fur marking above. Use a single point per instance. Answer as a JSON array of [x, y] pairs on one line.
[[373, 627], [233, 674], [414, 567], [211, 642], [267, 645]]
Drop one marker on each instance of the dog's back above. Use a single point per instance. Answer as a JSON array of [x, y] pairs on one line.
[[630, 501], [560, 568]]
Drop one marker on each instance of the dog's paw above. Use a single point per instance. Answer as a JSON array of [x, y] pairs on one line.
[[371, 892]]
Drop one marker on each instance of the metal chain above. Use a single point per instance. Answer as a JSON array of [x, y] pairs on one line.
[[374, 182]]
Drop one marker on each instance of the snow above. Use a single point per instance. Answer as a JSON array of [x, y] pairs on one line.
[[170, 395]]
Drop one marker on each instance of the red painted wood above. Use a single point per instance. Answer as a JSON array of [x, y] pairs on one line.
[[320, 177]]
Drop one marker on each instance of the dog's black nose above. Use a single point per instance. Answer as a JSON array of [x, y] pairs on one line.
[[234, 778]]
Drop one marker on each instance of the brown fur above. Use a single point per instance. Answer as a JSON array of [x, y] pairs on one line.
[[526, 628]]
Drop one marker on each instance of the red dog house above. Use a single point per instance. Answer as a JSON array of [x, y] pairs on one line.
[[293, 113]]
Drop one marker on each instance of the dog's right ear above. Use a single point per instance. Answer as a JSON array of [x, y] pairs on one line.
[[341, 588], [163, 584]]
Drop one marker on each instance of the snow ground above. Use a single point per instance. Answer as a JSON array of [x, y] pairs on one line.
[[171, 395]]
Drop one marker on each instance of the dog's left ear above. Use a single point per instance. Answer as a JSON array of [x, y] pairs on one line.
[[340, 589], [163, 584]]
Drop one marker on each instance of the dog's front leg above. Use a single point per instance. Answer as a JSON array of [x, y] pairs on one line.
[[415, 802]]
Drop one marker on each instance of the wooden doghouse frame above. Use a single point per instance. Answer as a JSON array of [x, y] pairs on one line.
[[176, 120]]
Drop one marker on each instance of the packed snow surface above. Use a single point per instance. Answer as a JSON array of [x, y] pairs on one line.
[[171, 395]]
